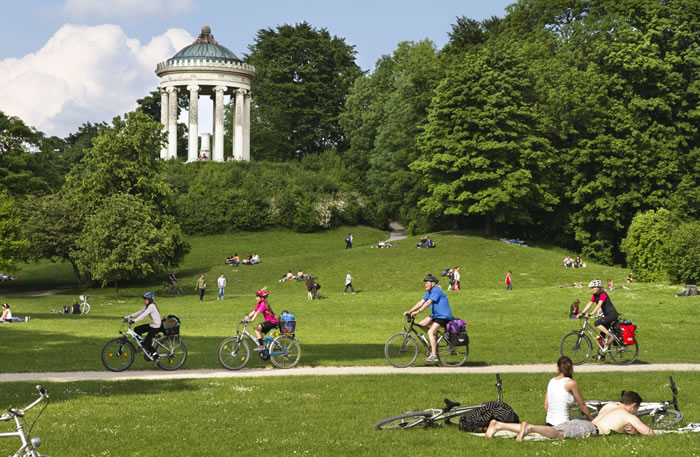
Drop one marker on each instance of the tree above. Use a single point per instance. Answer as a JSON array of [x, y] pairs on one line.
[[645, 241], [681, 253], [13, 248], [77, 143], [128, 238], [481, 152], [303, 77]]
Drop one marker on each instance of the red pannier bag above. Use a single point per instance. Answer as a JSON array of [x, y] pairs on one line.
[[628, 333]]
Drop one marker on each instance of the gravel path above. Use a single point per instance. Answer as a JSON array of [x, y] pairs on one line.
[[398, 232], [328, 371]]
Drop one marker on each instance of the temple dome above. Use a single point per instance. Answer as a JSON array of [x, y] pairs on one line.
[[205, 47]]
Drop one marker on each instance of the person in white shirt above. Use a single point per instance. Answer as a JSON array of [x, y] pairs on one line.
[[348, 283], [151, 329], [221, 282]]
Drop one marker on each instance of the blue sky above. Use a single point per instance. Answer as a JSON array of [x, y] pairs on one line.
[[65, 62]]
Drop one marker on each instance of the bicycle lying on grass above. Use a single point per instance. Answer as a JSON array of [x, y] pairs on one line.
[[283, 350], [29, 443], [118, 354], [432, 417], [664, 414], [84, 305], [578, 345], [401, 350]]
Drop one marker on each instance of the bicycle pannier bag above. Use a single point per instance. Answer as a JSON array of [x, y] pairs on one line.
[[288, 323], [628, 333], [459, 339], [170, 325], [478, 420]]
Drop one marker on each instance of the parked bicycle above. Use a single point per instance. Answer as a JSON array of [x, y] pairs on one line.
[[283, 350], [84, 305], [401, 349], [29, 443], [118, 354], [172, 288], [664, 414], [578, 345], [432, 417]]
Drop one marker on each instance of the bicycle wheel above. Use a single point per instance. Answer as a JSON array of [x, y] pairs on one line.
[[624, 355], [234, 353], [118, 354], [85, 308], [449, 355], [172, 352], [179, 290], [285, 351], [401, 350], [405, 420], [576, 346], [663, 419]]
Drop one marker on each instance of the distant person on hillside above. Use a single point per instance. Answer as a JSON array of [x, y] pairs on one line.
[[310, 286], [348, 241], [236, 260], [255, 259], [201, 286], [629, 278], [456, 278], [288, 277], [247, 259], [229, 260], [440, 313], [348, 283], [611, 284], [574, 310], [568, 262], [509, 283], [602, 303], [578, 263], [7, 315], [300, 276], [221, 283]]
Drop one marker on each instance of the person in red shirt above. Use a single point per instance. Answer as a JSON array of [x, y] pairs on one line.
[[509, 284]]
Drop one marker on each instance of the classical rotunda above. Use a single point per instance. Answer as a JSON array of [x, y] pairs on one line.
[[206, 68]]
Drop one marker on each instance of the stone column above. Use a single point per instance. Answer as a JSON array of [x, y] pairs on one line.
[[164, 118], [238, 126], [193, 132], [172, 123], [218, 154], [246, 126]]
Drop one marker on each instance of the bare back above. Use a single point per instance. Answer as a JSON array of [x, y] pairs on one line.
[[613, 417]]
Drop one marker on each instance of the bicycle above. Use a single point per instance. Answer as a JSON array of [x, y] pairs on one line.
[[84, 305], [29, 443], [664, 414], [283, 351], [118, 353], [401, 349], [432, 417], [172, 289], [578, 347]]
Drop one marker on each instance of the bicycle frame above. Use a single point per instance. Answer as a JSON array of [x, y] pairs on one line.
[[439, 336], [253, 339], [29, 446]]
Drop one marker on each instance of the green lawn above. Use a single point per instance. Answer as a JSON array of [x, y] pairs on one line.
[[521, 326], [321, 416]]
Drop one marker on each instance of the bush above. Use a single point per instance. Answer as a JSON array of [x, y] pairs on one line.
[[681, 253], [644, 243]]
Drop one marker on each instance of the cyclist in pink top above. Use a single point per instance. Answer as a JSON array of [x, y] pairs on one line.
[[270, 321]]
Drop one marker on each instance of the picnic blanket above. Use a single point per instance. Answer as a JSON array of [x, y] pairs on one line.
[[690, 428]]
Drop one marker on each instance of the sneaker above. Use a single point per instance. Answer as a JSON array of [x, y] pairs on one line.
[[432, 358], [259, 348], [599, 357]]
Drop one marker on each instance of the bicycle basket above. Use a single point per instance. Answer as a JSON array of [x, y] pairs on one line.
[[170, 325], [288, 323]]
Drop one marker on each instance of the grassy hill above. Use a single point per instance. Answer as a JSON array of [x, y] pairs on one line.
[[521, 326]]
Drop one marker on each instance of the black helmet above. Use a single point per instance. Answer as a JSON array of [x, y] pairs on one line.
[[431, 278]]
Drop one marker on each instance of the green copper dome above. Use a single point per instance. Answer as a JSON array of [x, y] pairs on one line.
[[205, 47]]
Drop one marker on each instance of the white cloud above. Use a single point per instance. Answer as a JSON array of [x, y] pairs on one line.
[[83, 74], [109, 9]]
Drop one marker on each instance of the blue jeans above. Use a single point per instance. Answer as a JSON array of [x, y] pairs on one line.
[[350, 286], [221, 293]]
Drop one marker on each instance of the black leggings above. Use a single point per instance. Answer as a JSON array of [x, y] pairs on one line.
[[150, 333]]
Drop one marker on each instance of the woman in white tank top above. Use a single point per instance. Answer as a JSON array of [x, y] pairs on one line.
[[562, 393]]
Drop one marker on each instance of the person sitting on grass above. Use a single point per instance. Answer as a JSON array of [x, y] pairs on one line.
[[7, 315], [440, 313], [270, 321], [255, 259], [562, 393], [574, 310], [300, 276], [247, 259], [613, 417]]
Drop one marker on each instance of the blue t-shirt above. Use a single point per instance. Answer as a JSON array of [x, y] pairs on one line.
[[440, 307]]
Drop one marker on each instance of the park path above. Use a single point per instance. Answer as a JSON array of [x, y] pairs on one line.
[[397, 231], [329, 371]]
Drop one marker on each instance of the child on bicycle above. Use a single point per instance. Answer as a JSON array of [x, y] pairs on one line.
[[270, 322], [602, 302], [151, 329], [440, 313]]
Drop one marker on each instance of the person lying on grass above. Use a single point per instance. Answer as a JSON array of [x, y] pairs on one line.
[[613, 417]]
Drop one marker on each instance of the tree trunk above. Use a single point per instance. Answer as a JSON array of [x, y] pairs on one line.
[[76, 272], [488, 224]]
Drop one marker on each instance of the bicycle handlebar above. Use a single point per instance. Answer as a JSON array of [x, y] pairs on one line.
[[11, 412]]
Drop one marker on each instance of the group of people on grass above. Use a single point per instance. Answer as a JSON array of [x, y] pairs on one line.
[[568, 262], [426, 242]]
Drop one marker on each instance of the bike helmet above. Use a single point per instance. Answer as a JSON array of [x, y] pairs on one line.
[[149, 295], [262, 293], [431, 278], [595, 283]]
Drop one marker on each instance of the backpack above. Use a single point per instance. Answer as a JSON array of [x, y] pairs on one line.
[[478, 420], [457, 332], [456, 326], [288, 323], [170, 325]]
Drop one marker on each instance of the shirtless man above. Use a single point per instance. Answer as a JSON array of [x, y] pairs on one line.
[[613, 417]]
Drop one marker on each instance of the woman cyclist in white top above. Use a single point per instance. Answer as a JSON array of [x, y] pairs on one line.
[[149, 309], [562, 392]]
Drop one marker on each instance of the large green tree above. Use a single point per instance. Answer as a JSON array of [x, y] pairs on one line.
[[13, 246], [303, 77]]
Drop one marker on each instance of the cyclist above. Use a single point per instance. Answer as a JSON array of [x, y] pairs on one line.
[[602, 302], [172, 280], [270, 321], [149, 309], [440, 313]]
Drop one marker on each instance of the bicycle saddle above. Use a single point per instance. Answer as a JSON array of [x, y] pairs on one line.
[[450, 404]]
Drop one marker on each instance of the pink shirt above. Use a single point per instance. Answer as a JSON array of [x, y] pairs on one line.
[[262, 308]]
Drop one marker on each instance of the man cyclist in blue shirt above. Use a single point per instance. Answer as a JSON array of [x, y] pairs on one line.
[[440, 313]]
